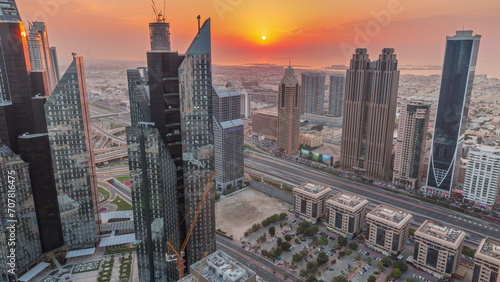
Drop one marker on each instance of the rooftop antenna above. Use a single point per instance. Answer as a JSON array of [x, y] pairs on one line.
[[199, 27]]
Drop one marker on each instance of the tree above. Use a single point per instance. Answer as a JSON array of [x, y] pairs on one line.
[[396, 273], [358, 256], [335, 245], [380, 266], [387, 261], [278, 252], [285, 246], [297, 257], [285, 276], [348, 251], [272, 230], [310, 231], [401, 266], [410, 279], [369, 260], [372, 278], [265, 222], [353, 246], [479, 140], [342, 240], [323, 241], [341, 254], [302, 226], [311, 279], [279, 241], [322, 258], [339, 278], [312, 266], [288, 237], [283, 215], [296, 240]]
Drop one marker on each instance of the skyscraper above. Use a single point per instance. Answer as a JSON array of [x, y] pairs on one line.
[[41, 53], [482, 177], [410, 146], [228, 138], [68, 124], [180, 108], [154, 197], [369, 114], [313, 93], [17, 211], [451, 115], [337, 88], [289, 105]]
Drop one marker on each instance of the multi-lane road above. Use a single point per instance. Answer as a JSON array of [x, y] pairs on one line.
[[295, 173]]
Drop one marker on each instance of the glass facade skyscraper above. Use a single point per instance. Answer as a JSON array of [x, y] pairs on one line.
[[452, 110]]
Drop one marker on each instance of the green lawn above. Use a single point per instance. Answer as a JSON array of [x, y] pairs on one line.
[[123, 178], [104, 192], [121, 204]]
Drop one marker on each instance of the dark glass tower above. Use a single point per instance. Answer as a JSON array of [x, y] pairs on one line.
[[452, 110]]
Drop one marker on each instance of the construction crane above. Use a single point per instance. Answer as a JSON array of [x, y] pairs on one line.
[[159, 15], [180, 254]]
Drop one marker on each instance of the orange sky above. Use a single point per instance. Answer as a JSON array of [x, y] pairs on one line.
[[315, 33]]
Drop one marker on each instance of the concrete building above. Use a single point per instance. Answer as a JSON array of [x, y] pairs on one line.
[[154, 199], [487, 261], [219, 266], [410, 146], [265, 122], [313, 93], [325, 119], [454, 95], [311, 140], [388, 229], [70, 139], [310, 200], [482, 176], [159, 34], [41, 54], [336, 101], [289, 105], [228, 138], [437, 248], [139, 96], [19, 220], [346, 213], [369, 114], [246, 109]]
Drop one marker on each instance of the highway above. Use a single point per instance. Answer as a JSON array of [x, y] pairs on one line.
[[295, 173], [262, 267], [110, 156]]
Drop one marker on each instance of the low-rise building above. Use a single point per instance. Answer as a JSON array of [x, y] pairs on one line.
[[219, 266], [265, 122], [310, 200], [388, 229], [311, 140], [437, 248], [346, 213], [487, 261]]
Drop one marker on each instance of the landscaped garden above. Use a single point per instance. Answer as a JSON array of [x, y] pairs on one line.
[[86, 267]]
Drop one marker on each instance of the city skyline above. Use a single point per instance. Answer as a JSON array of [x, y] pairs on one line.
[[239, 28]]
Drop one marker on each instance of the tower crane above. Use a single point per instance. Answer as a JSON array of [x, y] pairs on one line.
[[159, 15], [180, 254]]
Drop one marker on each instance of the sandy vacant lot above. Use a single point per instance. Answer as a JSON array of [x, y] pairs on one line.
[[236, 213]]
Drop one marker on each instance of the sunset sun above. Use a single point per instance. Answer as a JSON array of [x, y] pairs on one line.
[[264, 37]]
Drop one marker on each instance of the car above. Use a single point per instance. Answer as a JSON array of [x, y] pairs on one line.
[[331, 269], [376, 272], [299, 242], [303, 239]]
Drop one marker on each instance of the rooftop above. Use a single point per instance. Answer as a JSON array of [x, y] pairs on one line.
[[390, 214], [490, 248], [313, 188], [267, 111], [219, 266], [348, 200], [440, 231]]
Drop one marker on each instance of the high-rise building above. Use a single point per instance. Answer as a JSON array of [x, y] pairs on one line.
[[313, 93], [289, 105], [159, 33], [411, 146], [482, 175], [388, 229], [16, 114], [487, 261], [451, 114], [337, 89], [154, 197], [346, 213], [70, 139], [19, 237], [180, 106], [41, 53], [369, 114], [437, 248], [310, 200], [246, 109], [228, 138]]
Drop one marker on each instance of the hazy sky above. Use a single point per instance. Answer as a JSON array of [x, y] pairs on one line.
[[308, 32]]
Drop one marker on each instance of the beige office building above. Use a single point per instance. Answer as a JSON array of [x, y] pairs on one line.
[[310, 139], [310, 200], [289, 105], [437, 248], [487, 261], [388, 229], [265, 122], [346, 213]]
